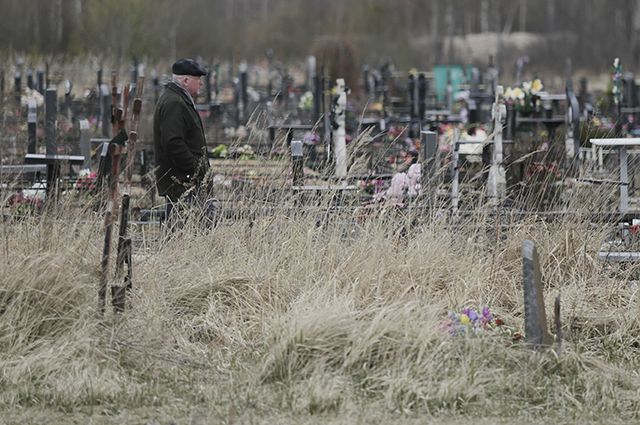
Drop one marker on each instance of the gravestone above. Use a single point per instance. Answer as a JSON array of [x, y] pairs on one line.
[[535, 319], [429, 157], [32, 120], [40, 78], [85, 142], [297, 162], [30, 82], [311, 73], [50, 114]]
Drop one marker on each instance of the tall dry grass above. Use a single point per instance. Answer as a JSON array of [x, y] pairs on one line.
[[298, 315]]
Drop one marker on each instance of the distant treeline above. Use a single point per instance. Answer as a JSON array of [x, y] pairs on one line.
[[591, 31]]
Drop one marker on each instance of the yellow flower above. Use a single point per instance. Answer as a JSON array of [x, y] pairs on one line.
[[464, 319], [376, 106], [508, 94], [536, 86], [518, 93]]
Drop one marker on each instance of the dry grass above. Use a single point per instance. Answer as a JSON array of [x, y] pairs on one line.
[[284, 321]]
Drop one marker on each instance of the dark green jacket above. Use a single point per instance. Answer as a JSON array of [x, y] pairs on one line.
[[179, 141]]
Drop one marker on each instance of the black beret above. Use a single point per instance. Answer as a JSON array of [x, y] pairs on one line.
[[188, 67]]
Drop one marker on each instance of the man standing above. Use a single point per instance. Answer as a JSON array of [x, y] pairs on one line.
[[178, 134]]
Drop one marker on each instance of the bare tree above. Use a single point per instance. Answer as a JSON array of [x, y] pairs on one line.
[[551, 16], [522, 22], [450, 23], [435, 30], [484, 15]]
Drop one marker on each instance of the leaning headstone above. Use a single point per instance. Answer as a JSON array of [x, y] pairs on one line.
[[535, 319]]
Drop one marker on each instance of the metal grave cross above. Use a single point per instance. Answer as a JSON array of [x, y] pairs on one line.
[[621, 145]]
